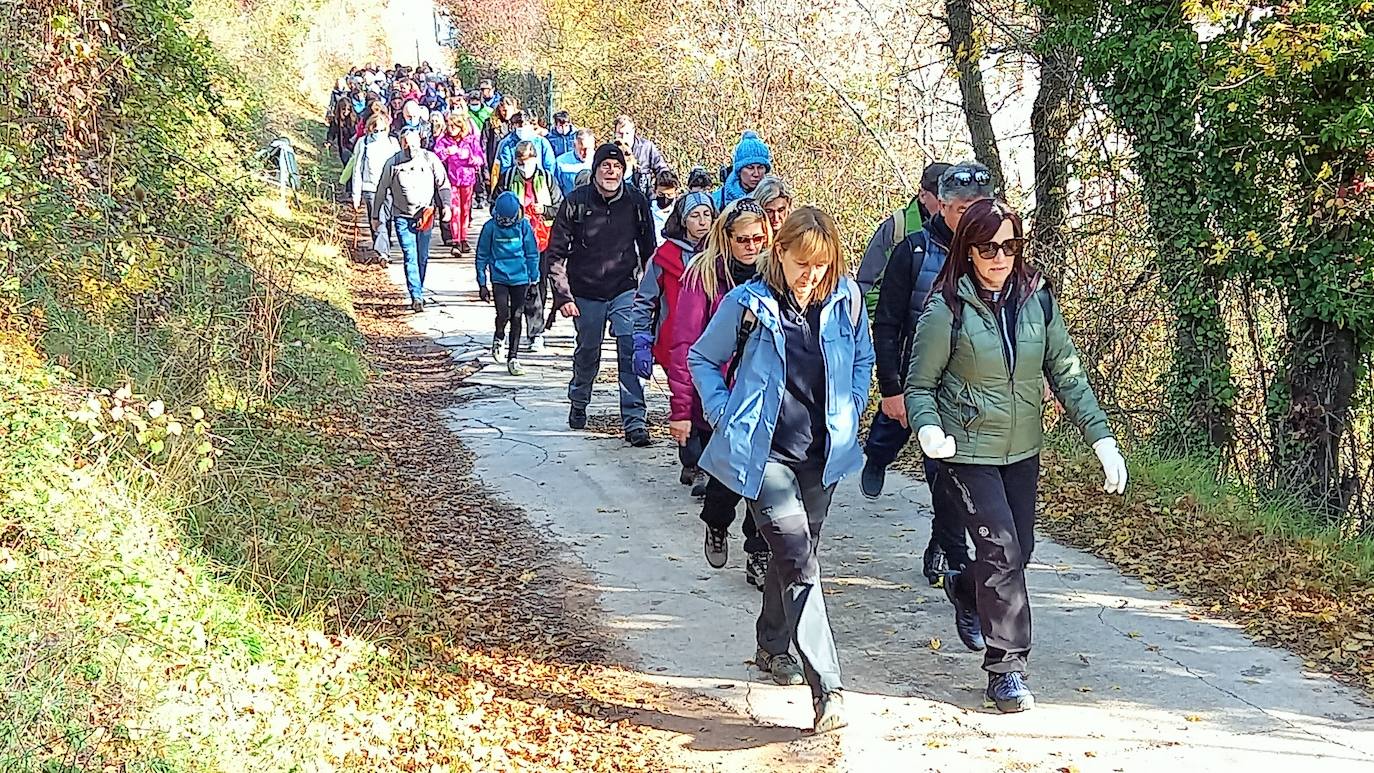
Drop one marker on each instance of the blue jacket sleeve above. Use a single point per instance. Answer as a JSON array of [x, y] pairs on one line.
[[863, 359], [531, 252], [708, 356], [547, 158], [484, 256]]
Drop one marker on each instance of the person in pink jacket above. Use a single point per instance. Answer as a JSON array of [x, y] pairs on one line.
[[461, 151], [738, 237]]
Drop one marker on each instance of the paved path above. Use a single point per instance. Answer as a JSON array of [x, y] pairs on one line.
[[1126, 679]]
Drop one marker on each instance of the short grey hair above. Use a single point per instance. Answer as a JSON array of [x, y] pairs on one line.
[[771, 188], [952, 189], [585, 134]]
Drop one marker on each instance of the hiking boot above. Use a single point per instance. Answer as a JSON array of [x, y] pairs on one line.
[[577, 417], [417, 305], [934, 565], [872, 479], [699, 481], [537, 344], [1008, 693], [639, 438], [829, 712], [784, 668], [496, 348], [513, 367], [756, 569], [687, 475], [717, 547], [966, 620]]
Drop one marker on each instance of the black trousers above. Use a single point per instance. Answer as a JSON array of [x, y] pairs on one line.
[[536, 321], [719, 506], [998, 504], [510, 300]]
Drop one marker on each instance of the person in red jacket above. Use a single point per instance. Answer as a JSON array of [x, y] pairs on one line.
[[738, 238], [684, 234]]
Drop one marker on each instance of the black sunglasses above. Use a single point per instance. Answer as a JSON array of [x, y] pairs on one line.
[[968, 178], [1011, 247]]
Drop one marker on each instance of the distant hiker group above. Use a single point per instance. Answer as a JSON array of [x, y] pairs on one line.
[[745, 300]]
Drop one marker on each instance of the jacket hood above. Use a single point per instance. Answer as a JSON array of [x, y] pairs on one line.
[[506, 210]]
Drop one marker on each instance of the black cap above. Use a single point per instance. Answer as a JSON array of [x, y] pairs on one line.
[[561, 116], [930, 178], [611, 151]]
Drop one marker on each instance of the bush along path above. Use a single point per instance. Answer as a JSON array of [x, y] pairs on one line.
[[1125, 675]]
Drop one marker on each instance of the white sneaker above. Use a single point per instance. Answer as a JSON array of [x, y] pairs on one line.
[[513, 367], [537, 345], [496, 349]]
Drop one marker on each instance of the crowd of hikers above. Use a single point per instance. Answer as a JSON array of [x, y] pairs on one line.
[[747, 302]]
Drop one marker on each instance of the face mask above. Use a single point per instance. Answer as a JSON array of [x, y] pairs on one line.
[[527, 167], [664, 202]]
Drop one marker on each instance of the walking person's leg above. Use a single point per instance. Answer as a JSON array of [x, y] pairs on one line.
[[534, 300], [1022, 484], [886, 437], [405, 236], [514, 314], [997, 579], [422, 255], [633, 412], [501, 297], [464, 220], [948, 535], [590, 326]]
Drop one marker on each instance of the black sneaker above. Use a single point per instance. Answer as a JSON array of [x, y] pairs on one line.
[[717, 547], [872, 479], [577, 417], [1008, 693], [687, 475], [966, 620], [699, 481], [756, 569], [639, 438], [934, 565], [784, 668]]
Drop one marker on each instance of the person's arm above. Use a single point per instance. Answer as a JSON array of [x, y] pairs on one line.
[[383, 190], [531, 246], [484, 256], [875, 257], [706, 359], [441, 185], [929, 359], [645, 238], [647, 301], [686, 324], [560, 247], [890, 318], [357, 178], [863, 358], [1069, 380]]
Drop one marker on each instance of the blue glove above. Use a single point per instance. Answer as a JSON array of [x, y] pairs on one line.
[[644, 356]]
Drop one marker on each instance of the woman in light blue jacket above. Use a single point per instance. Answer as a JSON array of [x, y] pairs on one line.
[[783, 371]]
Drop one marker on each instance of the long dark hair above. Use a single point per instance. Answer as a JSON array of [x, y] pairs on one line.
[[978, 225]]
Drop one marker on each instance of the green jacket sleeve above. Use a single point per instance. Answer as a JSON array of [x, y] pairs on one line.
[[1069, 381], [929, 358]]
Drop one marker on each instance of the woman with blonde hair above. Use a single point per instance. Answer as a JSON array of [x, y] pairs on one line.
[[786, 428], [736, 241]]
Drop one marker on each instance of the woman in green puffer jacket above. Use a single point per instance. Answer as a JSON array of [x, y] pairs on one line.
[[990, 338]]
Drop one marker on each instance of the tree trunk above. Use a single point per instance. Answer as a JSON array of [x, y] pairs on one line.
[[966, 52], [1321, 362], [1057, 108]]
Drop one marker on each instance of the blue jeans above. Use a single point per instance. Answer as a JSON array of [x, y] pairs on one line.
[[593, 315], [415, 249], [886, 437]]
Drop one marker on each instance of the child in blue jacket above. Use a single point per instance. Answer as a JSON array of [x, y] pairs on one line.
[[507, 248]]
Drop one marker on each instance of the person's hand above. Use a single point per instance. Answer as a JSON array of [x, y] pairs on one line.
[[680, 431], [894, 408], [935, 443], [484, 294], [376, 225], [644, 355], [1113, 465], [569, 309], [448, 214]]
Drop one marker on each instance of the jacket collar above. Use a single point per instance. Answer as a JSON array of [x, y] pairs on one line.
[[758, 299]]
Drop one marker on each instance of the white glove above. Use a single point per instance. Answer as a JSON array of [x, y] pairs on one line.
[[934, 442], [1113, 465]]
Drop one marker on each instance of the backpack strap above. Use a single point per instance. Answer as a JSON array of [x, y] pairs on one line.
[[856, 301], [747, 324]]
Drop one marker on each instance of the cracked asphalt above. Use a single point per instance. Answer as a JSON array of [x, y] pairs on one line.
[[1125, 679]]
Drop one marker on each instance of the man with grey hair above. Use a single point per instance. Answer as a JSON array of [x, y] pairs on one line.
[[906, 285]]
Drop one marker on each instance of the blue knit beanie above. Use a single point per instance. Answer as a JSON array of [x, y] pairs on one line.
[[752, 150]]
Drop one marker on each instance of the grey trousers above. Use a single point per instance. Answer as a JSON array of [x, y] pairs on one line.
[[789, 512], [593, 316]]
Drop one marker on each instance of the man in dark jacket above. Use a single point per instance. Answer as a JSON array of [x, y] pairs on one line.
[[602, 237], [906, 285], [648, 160]]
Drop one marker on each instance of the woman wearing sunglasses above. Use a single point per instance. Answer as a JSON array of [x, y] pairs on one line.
[[736, 241], [989, 339]]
